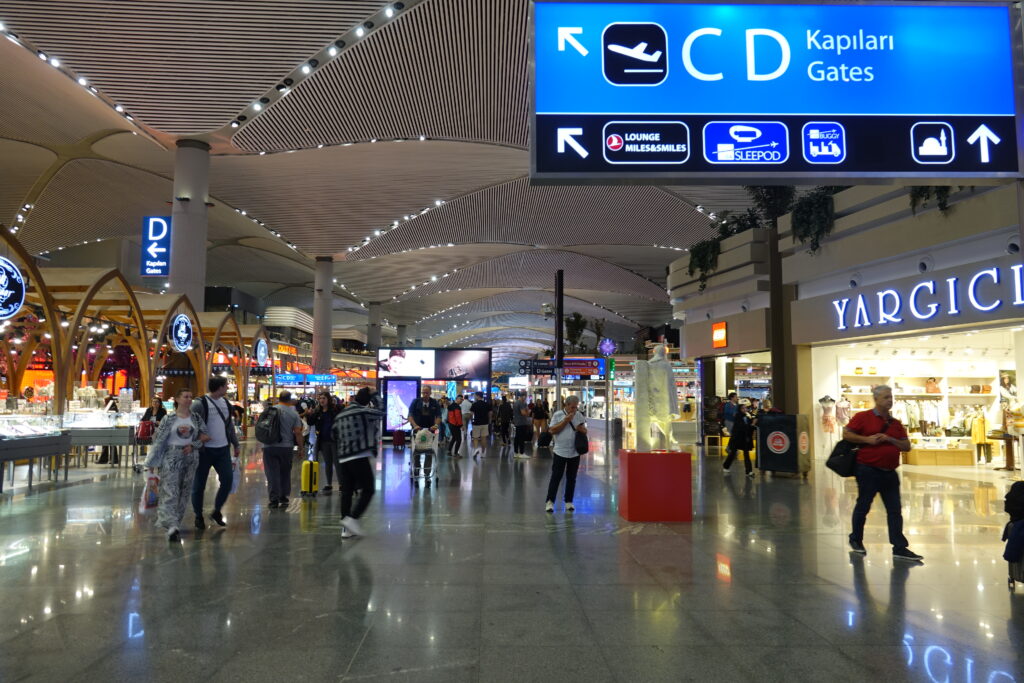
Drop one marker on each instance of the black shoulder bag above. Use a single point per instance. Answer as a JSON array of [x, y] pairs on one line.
[[580, 441], [843, 460]]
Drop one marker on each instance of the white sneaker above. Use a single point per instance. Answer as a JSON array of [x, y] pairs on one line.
[[352, 525], [345, 533], [569, 507], [549, 506]]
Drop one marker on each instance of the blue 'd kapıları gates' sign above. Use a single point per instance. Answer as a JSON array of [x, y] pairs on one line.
[[156, 246], [712, 91], [181, 332], [262, 352], [12, 289]]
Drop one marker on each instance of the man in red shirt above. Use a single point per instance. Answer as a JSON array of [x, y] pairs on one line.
[[882, 438]]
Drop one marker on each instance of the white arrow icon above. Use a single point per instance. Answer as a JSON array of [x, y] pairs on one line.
[[983, 136], [153, 250], [566, 34], [565, 137]]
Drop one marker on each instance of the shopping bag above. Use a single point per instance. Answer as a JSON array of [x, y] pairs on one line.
[[236, 475], [843, 460], [150, 495]]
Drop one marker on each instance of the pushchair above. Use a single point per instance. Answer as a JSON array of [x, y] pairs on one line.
[[424, 444]]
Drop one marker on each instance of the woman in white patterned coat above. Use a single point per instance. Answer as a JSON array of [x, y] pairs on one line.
[[175, 455]]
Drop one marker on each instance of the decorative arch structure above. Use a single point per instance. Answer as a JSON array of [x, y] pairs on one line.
[[92, 295], [161, 350]]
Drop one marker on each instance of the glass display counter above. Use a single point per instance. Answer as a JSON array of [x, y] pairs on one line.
[[26, 438]]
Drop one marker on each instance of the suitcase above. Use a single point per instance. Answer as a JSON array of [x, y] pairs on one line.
[[398, 438], [310, 480], [544, 440]]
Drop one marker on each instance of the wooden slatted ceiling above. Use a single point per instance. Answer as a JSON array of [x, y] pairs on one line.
[[20, 165], [453, 69], [524, 300], [184, 66]]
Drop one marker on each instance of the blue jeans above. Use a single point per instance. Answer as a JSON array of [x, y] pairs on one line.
[[220, 460], [872, 481]]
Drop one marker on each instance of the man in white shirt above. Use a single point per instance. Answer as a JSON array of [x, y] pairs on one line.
[[215, 453], [565, 460]]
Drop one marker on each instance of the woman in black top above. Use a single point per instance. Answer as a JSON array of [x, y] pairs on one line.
[[540, 415], [741, 439], [321, 419], [155, 411]]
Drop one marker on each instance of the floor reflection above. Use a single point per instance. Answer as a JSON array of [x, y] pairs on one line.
[[469, 579]]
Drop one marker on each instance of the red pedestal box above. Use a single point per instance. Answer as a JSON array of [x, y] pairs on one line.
[[655, 487]]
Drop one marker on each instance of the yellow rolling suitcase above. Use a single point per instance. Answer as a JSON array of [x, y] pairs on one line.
[[310, 478]]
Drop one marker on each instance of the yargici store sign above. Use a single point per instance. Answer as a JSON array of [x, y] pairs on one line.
[[969, 295]]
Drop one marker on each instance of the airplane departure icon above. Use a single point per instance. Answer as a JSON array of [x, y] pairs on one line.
[[638, 52], [634, 53]]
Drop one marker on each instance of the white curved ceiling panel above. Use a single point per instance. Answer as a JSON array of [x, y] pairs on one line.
[[89, 200], [184, 66], [20, 165], [520, 213], [523, 301], [42, 105], [325, 200], [138, 151], [537, 268], [453, 69]]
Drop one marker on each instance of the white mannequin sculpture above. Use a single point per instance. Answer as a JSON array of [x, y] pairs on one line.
[[656, 402]]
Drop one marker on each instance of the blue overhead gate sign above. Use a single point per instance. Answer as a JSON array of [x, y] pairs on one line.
[[156, 246], [707, 92]]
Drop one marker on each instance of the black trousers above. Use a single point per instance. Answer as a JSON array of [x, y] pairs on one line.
[[732, 456], [559, 466], [220, 460], [456, 443], [356, 475], [327, 457], [524, 435], [872, 481], [277, 464]]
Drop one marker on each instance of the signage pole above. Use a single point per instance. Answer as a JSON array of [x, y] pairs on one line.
[[559, 330]]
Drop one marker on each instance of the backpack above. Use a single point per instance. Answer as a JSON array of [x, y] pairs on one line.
[[455, 415], [1014, 505], [268, 427]]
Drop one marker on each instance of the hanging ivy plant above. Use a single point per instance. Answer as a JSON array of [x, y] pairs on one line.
[[814, 216], [921, 194], [704, 260]]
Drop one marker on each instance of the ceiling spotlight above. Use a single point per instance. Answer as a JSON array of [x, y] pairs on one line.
[[306, 69], [257, 106], [82, 82], [438, 202], [42, 56], [332, 51], [389, 12], [423, 137], [118, 108], [360, 32], [54, 62], [234, 124]]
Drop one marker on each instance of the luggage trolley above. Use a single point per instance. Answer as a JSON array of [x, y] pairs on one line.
[[424, 445]]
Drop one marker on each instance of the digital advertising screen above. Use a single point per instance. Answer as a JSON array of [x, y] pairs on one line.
[[398, 396], [463, 363], [406, 363]]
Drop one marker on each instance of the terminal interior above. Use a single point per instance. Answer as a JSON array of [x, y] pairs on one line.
[[321, 197]]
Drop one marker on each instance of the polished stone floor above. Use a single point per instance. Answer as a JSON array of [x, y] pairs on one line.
[[471, 580]]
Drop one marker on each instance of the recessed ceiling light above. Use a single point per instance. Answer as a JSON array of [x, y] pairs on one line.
[[82, 82], [118, 108], [360, 32], [55, 62], [332, 51], [306, 69]]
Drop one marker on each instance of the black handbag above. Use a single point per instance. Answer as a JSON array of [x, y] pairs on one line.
[[580, 441], [843, 460]]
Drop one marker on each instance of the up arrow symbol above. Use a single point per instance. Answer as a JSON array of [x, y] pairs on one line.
[[566, 35], [982, 137]]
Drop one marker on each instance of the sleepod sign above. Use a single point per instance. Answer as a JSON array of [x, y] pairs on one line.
[[710, 91], [977, 294]]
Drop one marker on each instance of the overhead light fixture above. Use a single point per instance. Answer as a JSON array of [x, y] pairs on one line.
[[234, 124], [82, 82], [118, 108], [306, 68], [360, 32], [389, 12], [257, 106], [332, 51], [55, 62]]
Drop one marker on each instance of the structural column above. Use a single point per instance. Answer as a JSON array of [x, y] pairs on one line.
[[403, 335], [188, 221], [322, 308], [373, 326]]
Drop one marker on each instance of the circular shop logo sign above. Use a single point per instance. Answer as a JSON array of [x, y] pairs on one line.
[[778, 442], [12, 289], [262, 352], [614, 142], [181, 332], [805, 443]]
